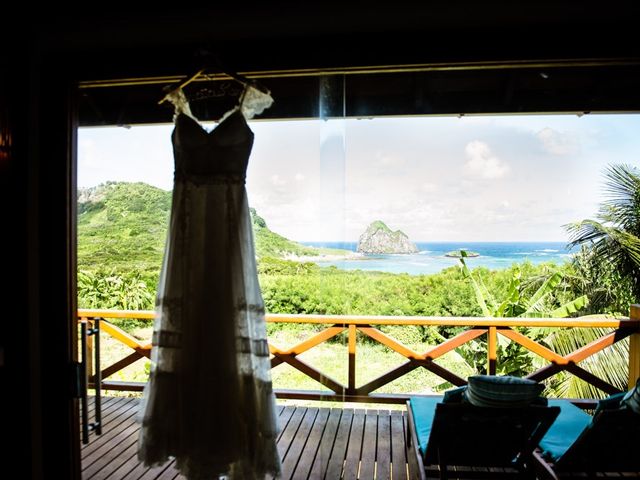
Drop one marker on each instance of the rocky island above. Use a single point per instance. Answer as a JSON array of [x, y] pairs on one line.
[[378, 238]]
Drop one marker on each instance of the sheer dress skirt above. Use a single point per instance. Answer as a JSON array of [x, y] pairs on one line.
[[209, 402]]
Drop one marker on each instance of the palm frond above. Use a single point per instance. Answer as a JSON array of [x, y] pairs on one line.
[[570, 307], [585, 231], [536, 302], [480, 297], [513, 294], [611, 364], [622, 184]]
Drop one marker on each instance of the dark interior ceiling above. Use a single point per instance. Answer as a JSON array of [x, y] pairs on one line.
[[580, 58]]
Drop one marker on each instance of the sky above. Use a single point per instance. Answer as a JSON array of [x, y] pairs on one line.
[[471, 178]]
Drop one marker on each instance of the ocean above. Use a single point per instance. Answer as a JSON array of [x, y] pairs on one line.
[[431, 256]]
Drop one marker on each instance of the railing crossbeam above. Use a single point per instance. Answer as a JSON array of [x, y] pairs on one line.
[[388, 377], [452, 343], [442, 372], [119, 365], [312, 372]]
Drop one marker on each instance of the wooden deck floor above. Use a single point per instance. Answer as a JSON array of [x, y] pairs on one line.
[[314, 443]]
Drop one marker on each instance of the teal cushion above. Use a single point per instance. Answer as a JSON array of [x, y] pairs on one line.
[[423, 410], [632, 398], [502, 391], [455, 395], [611, 403], [571, 422]]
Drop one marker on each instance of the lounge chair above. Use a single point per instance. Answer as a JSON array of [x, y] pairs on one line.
[[579, 445], [498, 432]]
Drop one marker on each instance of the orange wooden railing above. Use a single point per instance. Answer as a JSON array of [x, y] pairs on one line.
[[489, 328]]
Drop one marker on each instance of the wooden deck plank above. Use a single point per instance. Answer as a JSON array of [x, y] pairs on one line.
[[106, 402], [398, 457], [169, 473], [290, 462], [283, 420], [131, 465], [111, 402], [354, 447], [383, 452], [116, 408], [310, 450], [120, 465], [110, 452], [412, 461], [336, 461], [119, 406], [369, 446], [290, 431], [109, 415], [140, 472], [320, 464], [110, 432], [110, 409]]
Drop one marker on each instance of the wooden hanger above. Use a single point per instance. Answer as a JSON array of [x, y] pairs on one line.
[[246, 82]]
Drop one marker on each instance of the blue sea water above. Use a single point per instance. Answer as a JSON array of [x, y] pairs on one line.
[[431, 257]]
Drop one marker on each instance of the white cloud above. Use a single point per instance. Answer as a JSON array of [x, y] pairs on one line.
[[89, 154], [277, 180], [384, 160], [429, 187], [410, 172], [557, 143], [482, 162]]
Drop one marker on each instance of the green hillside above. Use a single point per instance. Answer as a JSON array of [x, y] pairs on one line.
[[124, 226], [270, 244]]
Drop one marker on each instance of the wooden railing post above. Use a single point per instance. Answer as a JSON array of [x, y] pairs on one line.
[[492, 350], [634, 349], [352, 360]]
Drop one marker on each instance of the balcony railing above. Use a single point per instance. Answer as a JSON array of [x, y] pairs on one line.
[[487, 329]]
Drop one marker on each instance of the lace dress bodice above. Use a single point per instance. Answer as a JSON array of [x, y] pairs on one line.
[[223, 151]]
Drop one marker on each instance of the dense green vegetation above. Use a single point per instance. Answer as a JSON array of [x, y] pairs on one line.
[[121, 235], [122, 226], [122, 229]]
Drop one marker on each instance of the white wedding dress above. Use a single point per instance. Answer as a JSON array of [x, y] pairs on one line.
[[209, 402]]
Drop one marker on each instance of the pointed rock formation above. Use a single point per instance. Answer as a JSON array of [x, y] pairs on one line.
[[378, 238]]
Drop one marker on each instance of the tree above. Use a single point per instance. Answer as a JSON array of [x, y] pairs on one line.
[[614, 237], [610, 263], [106, 288], [518, 302]]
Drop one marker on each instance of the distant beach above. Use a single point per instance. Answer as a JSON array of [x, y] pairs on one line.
[[432, 258], [326, 257]]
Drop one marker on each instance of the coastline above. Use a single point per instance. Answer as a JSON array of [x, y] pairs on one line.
[[325, 257]]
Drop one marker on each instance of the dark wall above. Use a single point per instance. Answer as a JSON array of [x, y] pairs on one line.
[[37, 332]]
